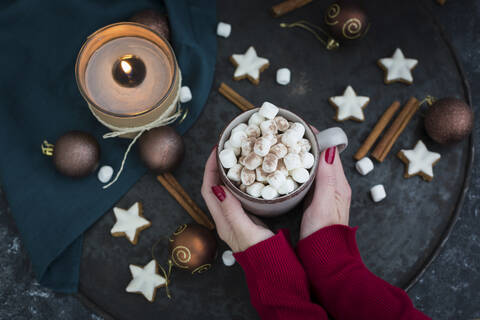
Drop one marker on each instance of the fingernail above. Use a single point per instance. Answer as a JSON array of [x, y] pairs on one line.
[[214, 147], [219, 193], [330, 155]]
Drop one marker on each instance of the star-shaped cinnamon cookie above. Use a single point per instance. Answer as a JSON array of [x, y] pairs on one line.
[[249, 65], [129, 222], [146, 280], [398, 68], [349, 106], [419, 161]]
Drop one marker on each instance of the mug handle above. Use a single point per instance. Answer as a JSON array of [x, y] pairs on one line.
[[330, 137]]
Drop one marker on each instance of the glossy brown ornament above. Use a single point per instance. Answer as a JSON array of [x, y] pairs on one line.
[[155, 20], [449, 120], [346, 20], [192, 247], [161, 149], [76, 154]]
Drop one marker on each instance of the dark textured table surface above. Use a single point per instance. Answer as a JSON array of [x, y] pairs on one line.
[[449, 288]]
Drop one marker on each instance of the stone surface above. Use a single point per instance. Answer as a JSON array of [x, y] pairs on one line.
[[448, 289]]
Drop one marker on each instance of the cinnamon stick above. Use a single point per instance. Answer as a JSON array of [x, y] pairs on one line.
[[377, 130], [177, 192], [288, 6], [242, 103], [397, 127]]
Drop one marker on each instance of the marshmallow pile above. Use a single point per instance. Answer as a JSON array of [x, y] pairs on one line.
[[268, 156]]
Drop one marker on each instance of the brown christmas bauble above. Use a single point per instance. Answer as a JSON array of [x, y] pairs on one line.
[[153, 19], [346, 20], [161, 149], [76, 154], [193, 247], [449, 120]]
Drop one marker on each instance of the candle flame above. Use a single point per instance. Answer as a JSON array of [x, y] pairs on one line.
[[127, 68]]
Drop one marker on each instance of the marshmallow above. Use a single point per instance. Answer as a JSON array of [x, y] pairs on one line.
[[224, 29], [269, 193], [247, 146], [281, 167], [237, 138], [253, 131], [300, 175], [268, 127], [228, 145], [255, 189], [295, 148], [227, 257], [241, 160], [227, 158], [283, 76], [105, 174], [364, 166], [292, 161], [256, 119], [272, 138], [378, 193], [279, 150], [290, 138], [261, 175], [234, 172], [262, 146], [308, 160], [282, 123], [242, 188], [276, 179], [252, 161], [268, 110], [288, 186], [270, 162], [185, 94], [247, 176], [298, 128], [305, 144], [240, 127]]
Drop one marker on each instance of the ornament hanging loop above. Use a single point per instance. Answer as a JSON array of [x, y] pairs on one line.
[[47, 148], [166, 274], [429, 100], [320, 34]]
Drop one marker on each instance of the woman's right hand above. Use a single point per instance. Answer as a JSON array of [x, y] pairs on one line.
[[328, 202]]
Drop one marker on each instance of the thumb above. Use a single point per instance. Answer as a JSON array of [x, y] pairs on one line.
[[326, 179]]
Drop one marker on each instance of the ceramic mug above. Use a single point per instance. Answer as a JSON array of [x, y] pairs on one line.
[[282, 204]]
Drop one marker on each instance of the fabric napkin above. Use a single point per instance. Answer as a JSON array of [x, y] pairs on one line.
[[39, 100]]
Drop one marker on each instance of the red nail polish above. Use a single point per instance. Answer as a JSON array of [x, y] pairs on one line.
[[330, 155], [219, 193], [214, 147]]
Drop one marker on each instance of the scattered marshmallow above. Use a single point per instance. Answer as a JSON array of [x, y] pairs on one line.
[[261, 174], [270, 162], [252, 161], [268, 110], [247, 176], [234, 172], [105, 174], [308, 160], [224, 29], [279, 150], [292, 161], [282, 123], [300, 175], [240, 127], [228, 158], [276, 179], [288, 186], [378, 193], [283, 76], [253, 131], [237, 138], [256, 119], [228, 258], [269, 193], [268, 127], [185, 94], [255, 189], [364, 166], [228, 145], [262, 146]]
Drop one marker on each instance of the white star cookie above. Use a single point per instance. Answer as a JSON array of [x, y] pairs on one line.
[[249, 65], [398, 68], [146, 280], [349, 106], [129, 222], [419, 161]]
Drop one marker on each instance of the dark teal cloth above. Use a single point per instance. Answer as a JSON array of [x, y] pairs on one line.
[[39, 100]]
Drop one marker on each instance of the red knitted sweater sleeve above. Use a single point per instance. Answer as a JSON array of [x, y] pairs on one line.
[[342, 283], [277, 282]]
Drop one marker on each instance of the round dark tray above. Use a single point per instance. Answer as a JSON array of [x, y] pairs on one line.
[[398, 238]]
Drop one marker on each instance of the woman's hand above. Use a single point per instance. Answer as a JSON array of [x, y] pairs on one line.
[[328, 202], [234, 226]]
